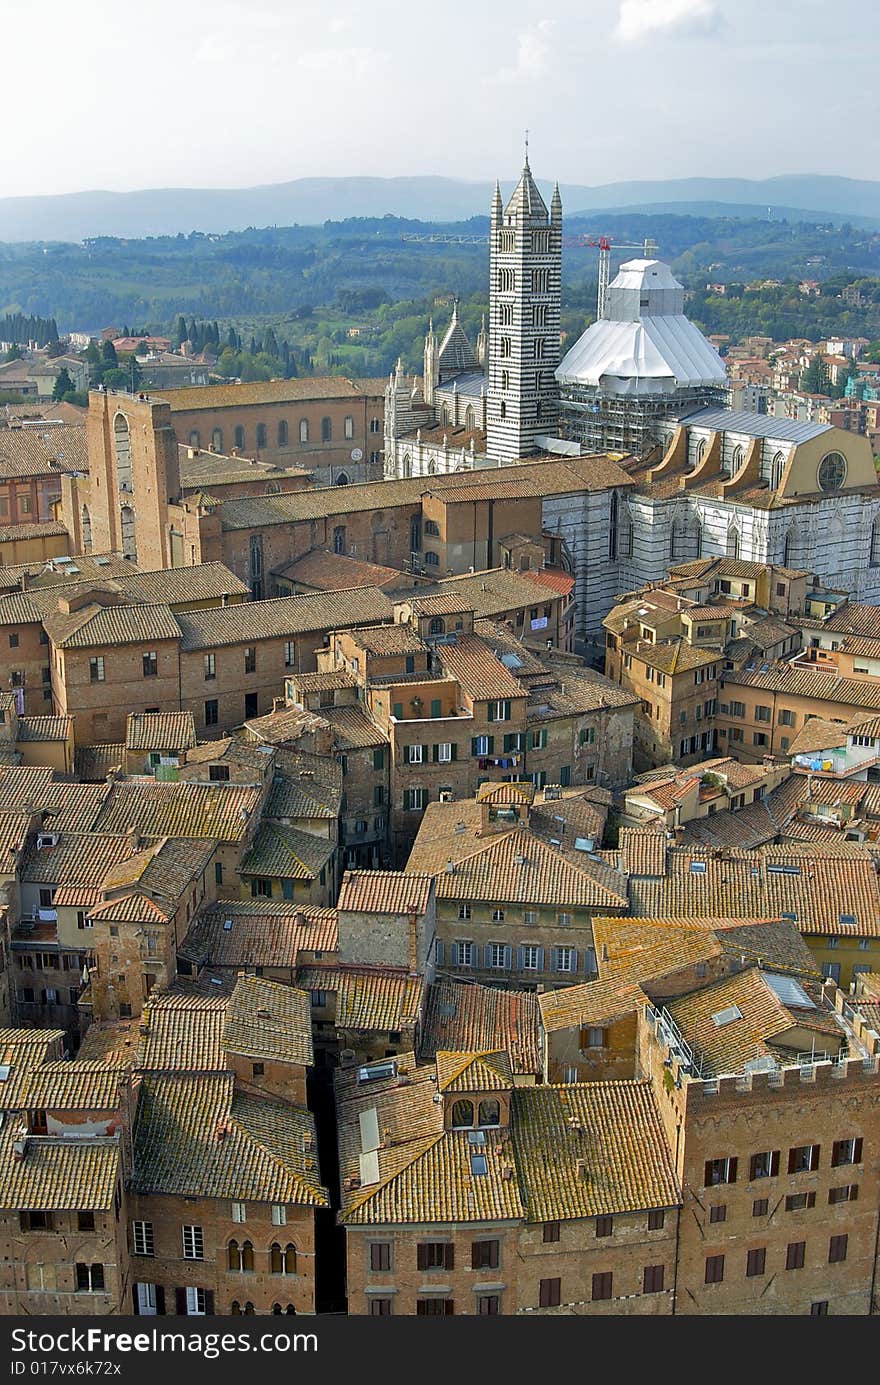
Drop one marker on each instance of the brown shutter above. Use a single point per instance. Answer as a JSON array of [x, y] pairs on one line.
[[422, 1257], [160, 1300], [209, 1303], [449, 1257], [180, 1302], [731, 1170], [792, 1156], [857, 1152], [774, 1163]]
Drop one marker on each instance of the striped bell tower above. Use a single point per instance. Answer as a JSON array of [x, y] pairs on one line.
[[525, 292]]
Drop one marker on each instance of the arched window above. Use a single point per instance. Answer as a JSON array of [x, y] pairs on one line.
[[462, 1115], [504, 408], [733, 542], [437, 626], [776, 470], [339, 539], [737, 457], [290, 1309], [261, 435], [282, 1261], [469, 416], [612, 527], [276, 1308], [699, 451], [129, 540], [489, 1113], [698, 529], [875, 544], [304, 430], [194, 438], [122, 451], [375, 425], [249, 1308], [407, 465], [282, 433], [432, 468], [240, 1258], [348, 427], [217, 439], [86, 527], [239, 437], [674, 540], [832, 471], [432, 559], [326, 430], [444, 415], [342, 479], [235, 1310]]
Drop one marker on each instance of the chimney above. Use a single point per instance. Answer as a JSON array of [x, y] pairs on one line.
[[277, 704], [412, 922], [299, 919], [450, 866]]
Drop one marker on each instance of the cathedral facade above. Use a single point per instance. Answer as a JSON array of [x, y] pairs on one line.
[[641, 385]]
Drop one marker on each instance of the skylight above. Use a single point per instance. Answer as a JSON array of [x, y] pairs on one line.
[[479, 1167], [722, 1017], [789, 991]]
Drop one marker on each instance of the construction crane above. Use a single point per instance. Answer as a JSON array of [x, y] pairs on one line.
[[648, 248], [446, 240]]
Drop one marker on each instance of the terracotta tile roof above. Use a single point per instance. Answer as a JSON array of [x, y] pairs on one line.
[[187, 399], [559, 582], [43, 452], [165, 870], [44, 728], [63, 1086], [480, 673], [180, 810], [280, 617], [331, 681], [748, 827], [520, 793], [46, 529], [180, 1033], [642, 852], [267, 1020], [804, 682], [263, 932], [229, 750], [282, 852], [29, 1047], [464, 1016], [473, 1072], [95, 762], [495, 591], [326, 571], [76, 896], [818, 733], [177, 586], [99, 627], [78, 858], [574, 692], [13, 834], [824, 892], [384, 892], [72, 807], [195, 1137], [383, 640], [673, 656], [160, 731], [752, 1022], [518, 868], [301, 794], [593, 1003], [439, 603], [57, 1174], [592, 1149], [854, 618], [352, 728], [368, 999]]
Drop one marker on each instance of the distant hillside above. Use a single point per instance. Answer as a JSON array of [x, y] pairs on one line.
[[312, 201]]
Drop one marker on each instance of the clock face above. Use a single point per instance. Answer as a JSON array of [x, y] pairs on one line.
[[357, 454], [832, 471]]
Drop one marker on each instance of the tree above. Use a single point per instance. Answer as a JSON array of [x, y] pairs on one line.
[[14, 353], [815, 379], [63, 384], [55, 348], [270, 343], [108, 354], [180, 331]]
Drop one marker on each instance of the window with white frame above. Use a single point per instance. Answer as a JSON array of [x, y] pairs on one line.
[[565, 958], [279, 1215], [444, 752], [239, 1212], [531, 957], [465, 954], [497, 955], [142, 1237], [497, 915], [193, 1243], [196, 1306], [413, 754], [464, 911]]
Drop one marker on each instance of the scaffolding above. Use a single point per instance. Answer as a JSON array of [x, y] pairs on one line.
[[602, 422]]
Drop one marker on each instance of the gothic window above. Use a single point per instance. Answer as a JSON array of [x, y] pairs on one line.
[[733, 542], [538, 348], [86, 525], [699, 451], [342, 479], [505, 314], [437, 626], [129, 539], [736, 458], [505, 379], [776, 470], [432, 559], [326, 430], [503, 408], [698, 528], [444, 415], [256, 563], [432, 468], [875, 544], [626, 538], [504, 348], [469, 417], [339, 539], [304, 430], [282, 1261], [239, 437], [122, 450], [505, 278], [194, 438], [489, 1112], [261, 435], [540, 280], [407, 464], [282, 433], [674, 540], [217, 439]]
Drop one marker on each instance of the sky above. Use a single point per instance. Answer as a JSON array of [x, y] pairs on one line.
[[233, 93]]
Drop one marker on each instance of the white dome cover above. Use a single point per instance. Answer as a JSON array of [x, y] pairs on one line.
[[645, 344]]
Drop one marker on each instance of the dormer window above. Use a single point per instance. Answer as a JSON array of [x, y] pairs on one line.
[[489, 1113], [462, 1115]]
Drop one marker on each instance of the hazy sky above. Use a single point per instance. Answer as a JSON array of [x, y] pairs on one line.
[[235, 92]]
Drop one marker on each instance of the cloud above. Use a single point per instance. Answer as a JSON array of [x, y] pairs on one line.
[[641, 18], [534, 52]]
